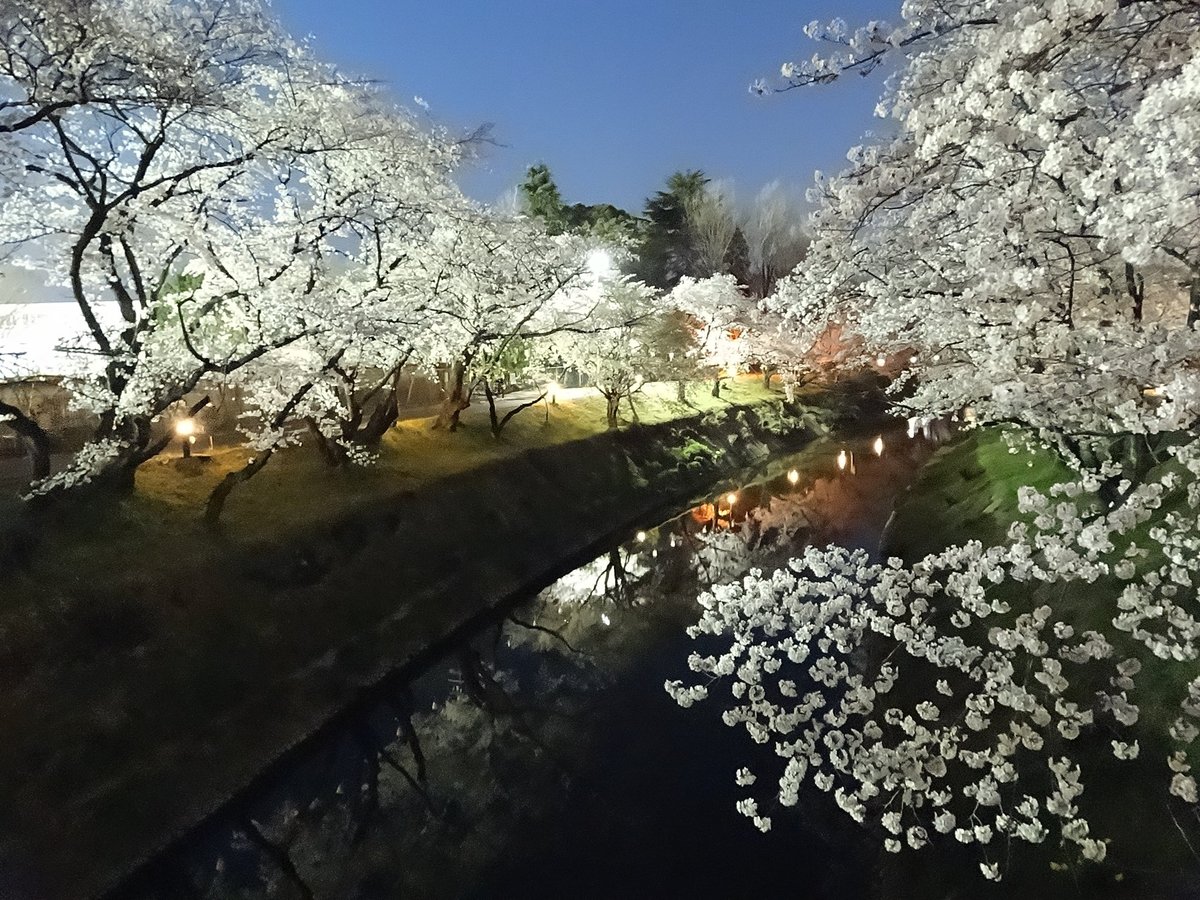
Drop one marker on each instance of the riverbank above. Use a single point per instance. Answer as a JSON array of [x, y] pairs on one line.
[[546, 756], [149, 693]]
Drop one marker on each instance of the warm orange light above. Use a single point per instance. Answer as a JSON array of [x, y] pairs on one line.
[[185, 428], [841, 460], [878, 446], [731, 498], [793, 476]]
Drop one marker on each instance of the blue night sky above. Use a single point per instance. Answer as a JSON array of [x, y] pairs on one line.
[[612, 95]]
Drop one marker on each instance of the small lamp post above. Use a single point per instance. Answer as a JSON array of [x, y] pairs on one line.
[[185, 430]]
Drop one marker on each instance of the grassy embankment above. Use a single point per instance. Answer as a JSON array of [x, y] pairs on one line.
[[297, 490], [969, 492]]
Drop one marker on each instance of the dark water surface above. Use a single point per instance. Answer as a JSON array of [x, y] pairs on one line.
[[540, 757]]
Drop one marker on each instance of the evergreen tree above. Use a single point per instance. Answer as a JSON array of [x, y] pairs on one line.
[[667, 252], [541, 200]]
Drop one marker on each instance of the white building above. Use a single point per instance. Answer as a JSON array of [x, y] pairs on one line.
[[35, 339]]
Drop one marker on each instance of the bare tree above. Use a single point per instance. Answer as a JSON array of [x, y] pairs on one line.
[[775, 237], [713, 223]]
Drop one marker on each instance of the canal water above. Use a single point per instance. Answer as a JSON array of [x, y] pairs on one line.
[[539, 756]]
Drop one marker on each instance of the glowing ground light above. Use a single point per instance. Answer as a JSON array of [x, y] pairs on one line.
[[185, 428], [881, 361], [731, 498], [841, 460], [605, 619], [793, 476], [878, 446], [552, 390], [641, 537]]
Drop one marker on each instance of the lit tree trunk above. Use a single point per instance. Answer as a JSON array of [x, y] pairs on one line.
[[716, 388], [382, 418], [768, 372], [385, 414], [456, 399], [681, 391]]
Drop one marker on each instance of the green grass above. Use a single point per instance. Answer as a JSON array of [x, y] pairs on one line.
[[297, 488], [968, 491]]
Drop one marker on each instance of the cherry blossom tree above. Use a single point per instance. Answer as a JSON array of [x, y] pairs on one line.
[[495, 283], [617, 352], [1030, 234], [214, 214], [722, 312], [996, 233]]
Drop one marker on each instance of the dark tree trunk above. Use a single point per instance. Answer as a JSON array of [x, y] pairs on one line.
[[716, 389], [1194, 302], [681, 391], [35, 439], [140, 447], [496, 421], [611, 414], [382, 418], [385, 411], [767, 373], [1136, 285], [279, 856], [493, 418], [331, 451], [216, 500]]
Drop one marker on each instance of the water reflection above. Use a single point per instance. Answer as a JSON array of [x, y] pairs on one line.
[[540, 756]]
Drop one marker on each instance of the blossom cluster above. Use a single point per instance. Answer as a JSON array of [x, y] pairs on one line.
[[956, 696]]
